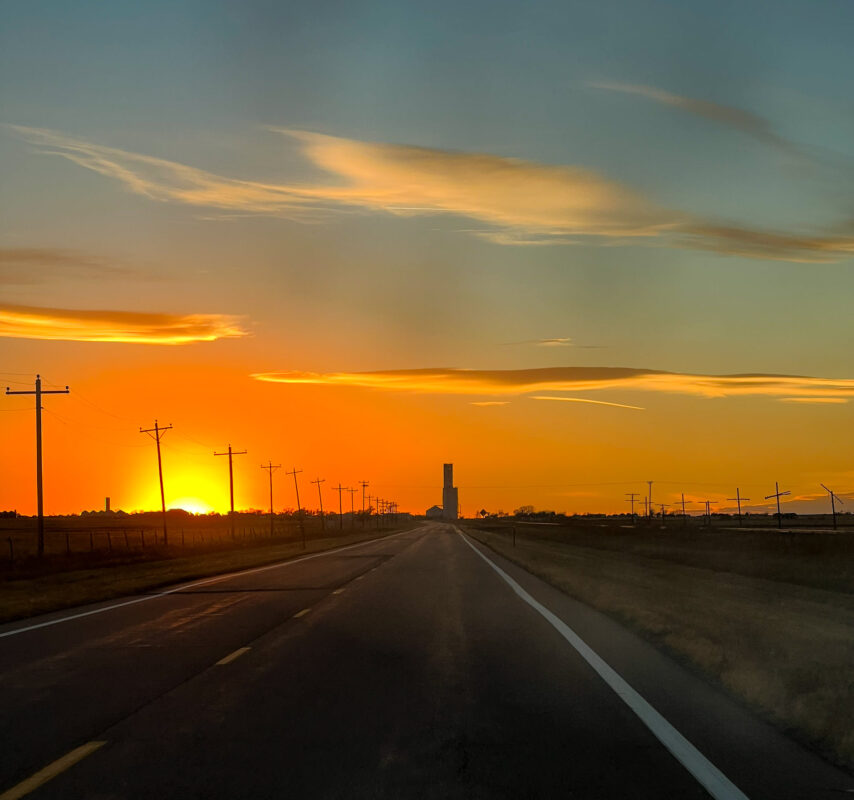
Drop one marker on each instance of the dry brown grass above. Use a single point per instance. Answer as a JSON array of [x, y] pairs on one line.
[[785, 648]]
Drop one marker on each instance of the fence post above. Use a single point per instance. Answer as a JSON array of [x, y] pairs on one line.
[[110, 541], [91, 542], [11, 550], [127, 546], [142, 534], [67, 544]]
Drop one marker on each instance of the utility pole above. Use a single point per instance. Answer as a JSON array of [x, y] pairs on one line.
[[833, 498], [363, 484], [646, 506], [650, 499], [663, 506], [320, 495], [296, 472], [738, 498], [778, 494], [632, 496], [708, 514], [39, 492], [352, 512], [684, 515], [339, 488], [230, 453], [271, 468], [156, 433]]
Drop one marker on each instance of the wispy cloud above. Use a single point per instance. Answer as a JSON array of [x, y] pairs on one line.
[[489, 402], [746, 122], [585, 400], [35, 265], [25, 322], [574, 379], [818, 400], [524, 202]]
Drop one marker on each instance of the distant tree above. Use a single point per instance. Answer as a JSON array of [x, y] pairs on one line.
[[483, 512]]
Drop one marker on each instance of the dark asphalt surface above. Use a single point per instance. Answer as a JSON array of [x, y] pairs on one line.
[[416, 672]]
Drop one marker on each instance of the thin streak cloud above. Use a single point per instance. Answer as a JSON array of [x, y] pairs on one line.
[[574, 379], [24, 266], [525, 202], [26, 322], [585, 400]]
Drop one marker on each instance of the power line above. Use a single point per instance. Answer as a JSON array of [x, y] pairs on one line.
[[778, 494], [38, 392], [271, 468], [156, 433], [231, 453]]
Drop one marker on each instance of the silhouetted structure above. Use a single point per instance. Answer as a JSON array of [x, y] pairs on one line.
[[450, 495]]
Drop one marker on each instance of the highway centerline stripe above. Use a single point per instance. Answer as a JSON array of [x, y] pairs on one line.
[[296, 616], [229, 658], [706, 773], [50, 771], [338, 591], [182, 587]]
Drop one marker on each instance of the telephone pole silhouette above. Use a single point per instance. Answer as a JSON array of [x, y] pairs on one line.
[[738, 498], [833, 498], [339, 488], [296, 472], [632, 497], [38, 392], [684, 515], [778, 494], [320, 496], [231, 453], [708, 514], [352, 512], [663, 506], [156, 433], [363, 484], [651, 511], [271, 468]]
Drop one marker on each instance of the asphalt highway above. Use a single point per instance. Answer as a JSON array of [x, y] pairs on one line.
[[421, 665]]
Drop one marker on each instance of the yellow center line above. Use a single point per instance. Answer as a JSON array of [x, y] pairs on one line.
[[296, 616], [229, 658], [338, 591], [51, 771]]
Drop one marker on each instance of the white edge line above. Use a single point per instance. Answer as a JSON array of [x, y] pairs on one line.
[[706, 773], [182, 587]]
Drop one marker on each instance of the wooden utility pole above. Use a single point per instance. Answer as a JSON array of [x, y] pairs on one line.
[[271, 468], [364, 485], [352, 512], [778, 494], [833, 498], [156, 433], [663, 506], [296, 472], [649, 506], [339, 488], [38, 392], [231, 453], [632, 497], [320, 497], [684, 515], [738, 498]]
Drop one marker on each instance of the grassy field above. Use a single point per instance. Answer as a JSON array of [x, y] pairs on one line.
[[52, 584], [768, 616]]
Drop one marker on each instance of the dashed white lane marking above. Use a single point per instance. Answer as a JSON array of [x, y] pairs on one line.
[[338, 591], [707, 774], [50, 771], [185, 586], [231, 656], [301, 613]]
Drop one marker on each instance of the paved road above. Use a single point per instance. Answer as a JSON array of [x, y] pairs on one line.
[[406, 667]]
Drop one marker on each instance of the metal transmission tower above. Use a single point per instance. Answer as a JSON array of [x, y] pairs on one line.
[[833, 498], [296, 472], [339, 488], [271, 468], [738, 498], [231, 453], [320, 497], [364, 485], [352, 513], [156, 433], [632, 498], [778, 494], [38, 392]]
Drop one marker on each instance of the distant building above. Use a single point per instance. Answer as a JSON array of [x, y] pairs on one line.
[[450, 496], [434, 512]]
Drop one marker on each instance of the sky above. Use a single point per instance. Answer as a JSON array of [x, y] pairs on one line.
[[568, 246]]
